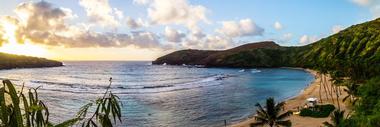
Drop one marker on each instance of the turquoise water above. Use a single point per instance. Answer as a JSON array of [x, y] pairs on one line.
[[157, 95]]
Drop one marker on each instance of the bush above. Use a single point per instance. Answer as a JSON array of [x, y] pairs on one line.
[[319, 111]]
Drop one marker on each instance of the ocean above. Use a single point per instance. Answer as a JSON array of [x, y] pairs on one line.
[[158, 95]]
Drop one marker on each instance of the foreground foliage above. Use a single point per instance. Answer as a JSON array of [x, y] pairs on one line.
[[20, 110], [337, 119], [271, 114]]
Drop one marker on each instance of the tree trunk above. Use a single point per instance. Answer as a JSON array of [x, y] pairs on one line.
[[337, 96], [326, 89], [320, 88], [330, 90]]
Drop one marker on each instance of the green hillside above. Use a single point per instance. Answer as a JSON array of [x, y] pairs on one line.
[[9, 61], [355, 49], [351, 57], [357, 45]]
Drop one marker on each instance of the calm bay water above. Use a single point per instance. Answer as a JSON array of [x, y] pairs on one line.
[[157, 95]]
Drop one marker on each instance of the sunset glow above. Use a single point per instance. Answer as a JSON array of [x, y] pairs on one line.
[[20, 48], [24, 49]]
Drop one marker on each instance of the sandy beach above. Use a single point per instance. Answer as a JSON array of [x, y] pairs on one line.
[[292, 104]]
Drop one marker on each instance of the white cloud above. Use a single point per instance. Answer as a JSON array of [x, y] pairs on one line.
[[337, 28], [134, 24], [173, 35], [42, 23], [287, 36], [119, 14], [305, 39], [141, 2], [218, 42], [372, 5], [362, 2], [244, 27], [179, 12], [100, 12], [42, 16], [277, 25]]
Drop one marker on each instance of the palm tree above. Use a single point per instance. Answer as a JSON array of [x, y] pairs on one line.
[[351, 91], [337, 119], [270, 115]]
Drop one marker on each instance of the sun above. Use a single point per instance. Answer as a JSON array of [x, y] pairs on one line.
[[13, 47]]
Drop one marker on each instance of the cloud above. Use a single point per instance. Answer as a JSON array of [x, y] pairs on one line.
[[134, 24], [244, 27], [93, 39], [372, 5], [45, 24], [2, 35], [305, 39], [277, 25], [211, 42], [173, 35], [100, 12], [42, 16], [362, 2], [337, 28], [180, 12], [218, 42], [141, 2], [287, 37]]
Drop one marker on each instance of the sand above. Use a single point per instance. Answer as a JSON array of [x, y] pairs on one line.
[[311, 91]]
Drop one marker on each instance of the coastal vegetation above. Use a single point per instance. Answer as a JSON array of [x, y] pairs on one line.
[[272, 114], [9, 61], [350, 58], [27, 110], [318, 111], [337, 119]]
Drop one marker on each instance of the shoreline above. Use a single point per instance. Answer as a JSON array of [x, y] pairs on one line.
[[292, 103]]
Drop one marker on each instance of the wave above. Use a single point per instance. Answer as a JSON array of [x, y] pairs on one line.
[[252, 70], [255, 71], [211, 80]]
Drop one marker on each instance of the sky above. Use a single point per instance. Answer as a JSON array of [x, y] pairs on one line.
[[147, 29]]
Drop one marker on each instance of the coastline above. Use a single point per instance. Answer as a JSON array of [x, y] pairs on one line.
[[312, 90]]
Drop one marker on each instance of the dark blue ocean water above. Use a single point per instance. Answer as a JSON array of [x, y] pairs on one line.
[[157, 95]]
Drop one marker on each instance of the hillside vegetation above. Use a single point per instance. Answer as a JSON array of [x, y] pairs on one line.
[[356, 46], [248, 55], [9, 61], [351, 58]]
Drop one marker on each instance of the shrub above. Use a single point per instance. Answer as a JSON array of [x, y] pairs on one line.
[[319, 111]]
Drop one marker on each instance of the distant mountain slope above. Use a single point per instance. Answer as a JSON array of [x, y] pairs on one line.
[[9, 61], [216, 58], [358, 42], [357, 45]]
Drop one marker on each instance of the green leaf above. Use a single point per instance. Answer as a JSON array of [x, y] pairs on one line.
[[26, 108], [15, 102], [4, 110]]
